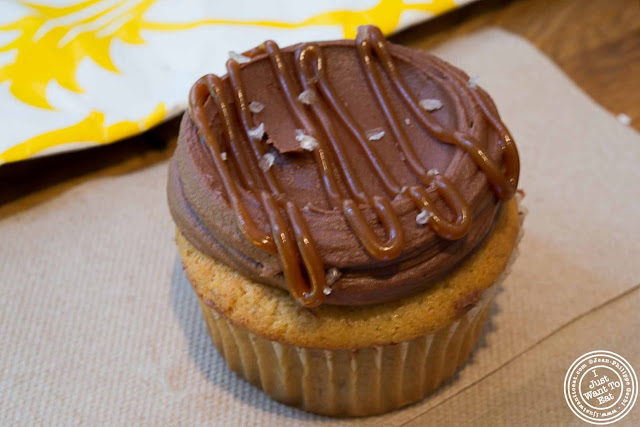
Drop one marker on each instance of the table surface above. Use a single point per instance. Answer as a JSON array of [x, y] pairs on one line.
[[596, 42]]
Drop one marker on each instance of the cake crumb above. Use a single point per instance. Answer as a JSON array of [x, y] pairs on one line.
[[307, 313], [467, 302], [624, 119]]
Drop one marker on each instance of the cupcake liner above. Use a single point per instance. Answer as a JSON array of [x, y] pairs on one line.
[[357, 382]]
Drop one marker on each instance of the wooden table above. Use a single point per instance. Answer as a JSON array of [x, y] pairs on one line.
[[596, 42]]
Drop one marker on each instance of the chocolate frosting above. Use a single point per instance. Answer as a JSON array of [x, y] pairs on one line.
[[390, 194]]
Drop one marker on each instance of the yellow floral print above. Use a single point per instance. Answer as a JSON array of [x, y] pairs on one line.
[[52, 42]]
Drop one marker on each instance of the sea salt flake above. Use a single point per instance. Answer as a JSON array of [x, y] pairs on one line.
[[374, 134], [240, 59], [624, 119], [307, 97], [326, 291], [257, 132], [430, 104], [223, 155], [407, 121], [307, 142], [473, 82], [333, 274], [299, 135], [266, 161], [433, 172], [255, 107], [400, 193], [423, 217]]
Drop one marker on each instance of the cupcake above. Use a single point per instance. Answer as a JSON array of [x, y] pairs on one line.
[[343, 210]]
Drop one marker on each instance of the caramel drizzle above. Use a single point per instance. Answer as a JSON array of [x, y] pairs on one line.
[[284, 216], [310, 62], [370, 40]]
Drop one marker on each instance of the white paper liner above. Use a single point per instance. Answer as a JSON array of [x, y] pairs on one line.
[[358, 382]]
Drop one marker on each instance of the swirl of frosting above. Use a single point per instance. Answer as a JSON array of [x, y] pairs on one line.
[[346, 172]]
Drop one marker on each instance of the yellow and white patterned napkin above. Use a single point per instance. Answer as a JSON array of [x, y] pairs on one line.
[[76, 73]]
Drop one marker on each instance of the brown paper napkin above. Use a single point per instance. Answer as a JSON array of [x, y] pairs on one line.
[[99, 325], [529, 390]]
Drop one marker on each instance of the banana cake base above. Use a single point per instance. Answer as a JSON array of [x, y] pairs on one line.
[[350, 360]]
